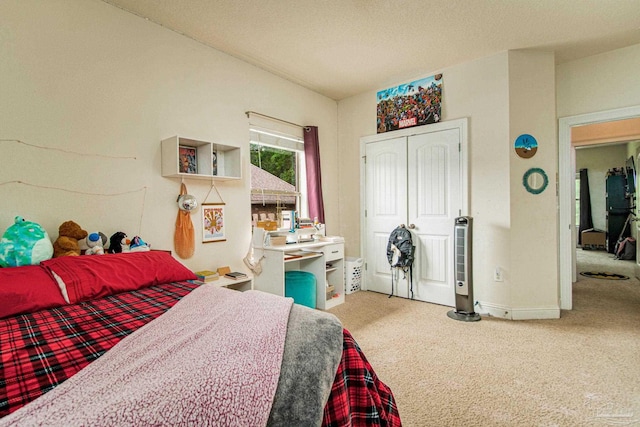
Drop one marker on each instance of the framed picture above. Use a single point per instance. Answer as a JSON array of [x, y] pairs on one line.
[[214, 163], [213, 222], [187, 159]]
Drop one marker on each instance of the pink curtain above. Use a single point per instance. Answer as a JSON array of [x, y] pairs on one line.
[[314, 181]]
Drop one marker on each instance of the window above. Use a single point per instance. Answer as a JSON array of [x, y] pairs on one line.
[[278, 178]]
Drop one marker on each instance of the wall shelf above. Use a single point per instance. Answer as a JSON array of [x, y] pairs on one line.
[[212, 161]]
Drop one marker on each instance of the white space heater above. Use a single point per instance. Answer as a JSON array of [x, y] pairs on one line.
[[463, 257]]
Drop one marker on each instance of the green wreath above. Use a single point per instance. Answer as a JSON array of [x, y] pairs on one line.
[[525, 181]]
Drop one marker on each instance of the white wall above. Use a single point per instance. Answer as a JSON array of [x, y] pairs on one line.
[[597, 161], [503, 96], [534, 222], [478, 90], [86, 81], [599, 83]]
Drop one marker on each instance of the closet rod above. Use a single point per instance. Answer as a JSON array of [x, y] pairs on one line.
[[273, 118]]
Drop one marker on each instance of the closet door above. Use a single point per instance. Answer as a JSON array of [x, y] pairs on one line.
[[385, 207], [416, 180], [434, 198]]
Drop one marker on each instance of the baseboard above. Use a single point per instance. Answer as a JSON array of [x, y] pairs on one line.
[[535, 313], [493, 310], [504, 312]]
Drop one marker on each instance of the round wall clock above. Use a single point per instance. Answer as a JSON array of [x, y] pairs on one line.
[[526, 146]]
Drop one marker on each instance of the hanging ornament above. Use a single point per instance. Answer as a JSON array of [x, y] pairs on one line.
[[187, 202]]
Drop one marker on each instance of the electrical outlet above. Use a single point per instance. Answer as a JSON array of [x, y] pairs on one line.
[[497, 275]]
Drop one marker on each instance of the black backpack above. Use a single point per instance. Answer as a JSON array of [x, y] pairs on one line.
[[400, 252], [400, 238]]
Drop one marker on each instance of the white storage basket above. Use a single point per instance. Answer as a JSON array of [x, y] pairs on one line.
[[353, 274]]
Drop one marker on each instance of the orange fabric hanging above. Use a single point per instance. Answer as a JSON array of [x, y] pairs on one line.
[[184, 237]]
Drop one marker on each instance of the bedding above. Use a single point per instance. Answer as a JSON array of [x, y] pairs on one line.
[[85, 277], [19, 296], [323, 377]]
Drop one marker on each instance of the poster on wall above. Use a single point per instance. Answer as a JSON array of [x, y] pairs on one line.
[[213, 222], [411, 104]]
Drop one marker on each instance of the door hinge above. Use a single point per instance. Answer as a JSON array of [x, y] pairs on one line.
[[365, 266], [364, 158]]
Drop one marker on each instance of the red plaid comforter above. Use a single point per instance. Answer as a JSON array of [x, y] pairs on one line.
[[41, 350]]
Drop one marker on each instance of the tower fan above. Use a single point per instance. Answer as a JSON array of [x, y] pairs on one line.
[[463, 271]]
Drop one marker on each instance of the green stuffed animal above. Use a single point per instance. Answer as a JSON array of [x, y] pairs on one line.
[[24, 243]]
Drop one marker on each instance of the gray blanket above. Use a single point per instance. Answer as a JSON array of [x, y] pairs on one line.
[[312, 352]]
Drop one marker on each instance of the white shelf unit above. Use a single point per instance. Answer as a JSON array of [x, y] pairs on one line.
[[227, 159], [334, 272], [276, 264]]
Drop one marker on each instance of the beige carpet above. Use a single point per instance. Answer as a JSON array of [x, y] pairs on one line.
[[580, 370]]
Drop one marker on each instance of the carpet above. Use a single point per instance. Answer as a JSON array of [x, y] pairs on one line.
[[603, 275]]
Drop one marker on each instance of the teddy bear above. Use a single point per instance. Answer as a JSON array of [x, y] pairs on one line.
[[95, 244], [66, 244]]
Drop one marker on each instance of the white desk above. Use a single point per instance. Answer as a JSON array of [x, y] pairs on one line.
[[325, 260]]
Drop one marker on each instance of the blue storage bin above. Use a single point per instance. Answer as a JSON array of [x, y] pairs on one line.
[[301, 286]]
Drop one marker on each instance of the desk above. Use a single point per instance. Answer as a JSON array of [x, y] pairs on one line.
[[325, 260]]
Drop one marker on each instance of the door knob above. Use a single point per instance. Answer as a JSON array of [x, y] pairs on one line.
[[412, 226]]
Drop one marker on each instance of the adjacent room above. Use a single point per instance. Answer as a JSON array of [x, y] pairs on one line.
[[334, 213]]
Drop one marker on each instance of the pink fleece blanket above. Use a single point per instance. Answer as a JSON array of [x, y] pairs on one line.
[[213, 359]]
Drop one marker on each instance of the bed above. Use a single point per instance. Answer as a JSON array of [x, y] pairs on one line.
[[133, 339]]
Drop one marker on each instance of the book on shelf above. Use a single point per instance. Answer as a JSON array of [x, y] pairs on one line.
[[206, 275], [236, 275]]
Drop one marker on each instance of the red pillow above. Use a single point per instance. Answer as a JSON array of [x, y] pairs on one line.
[[26, 289], [87, 277]]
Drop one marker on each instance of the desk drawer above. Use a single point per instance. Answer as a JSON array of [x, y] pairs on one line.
[[333, 252]]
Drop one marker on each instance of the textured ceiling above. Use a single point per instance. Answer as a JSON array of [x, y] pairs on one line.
[[340, 48]]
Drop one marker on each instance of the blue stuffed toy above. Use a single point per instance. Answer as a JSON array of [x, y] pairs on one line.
[[138, 245], [24, 243]]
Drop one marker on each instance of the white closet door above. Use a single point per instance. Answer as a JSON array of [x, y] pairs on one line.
[[385, 205], [435, 200], [414, 180]]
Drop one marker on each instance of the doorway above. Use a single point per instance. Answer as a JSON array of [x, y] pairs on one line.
[[566, 193]]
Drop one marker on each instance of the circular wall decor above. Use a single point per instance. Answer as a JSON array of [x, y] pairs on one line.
[[535, 180], [526, 146]]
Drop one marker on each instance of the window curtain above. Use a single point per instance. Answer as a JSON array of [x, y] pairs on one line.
[[314, 181], [586, 221]]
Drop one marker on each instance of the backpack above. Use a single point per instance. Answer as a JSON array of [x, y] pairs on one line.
[[400, 248], [626, 249], [400, 252]]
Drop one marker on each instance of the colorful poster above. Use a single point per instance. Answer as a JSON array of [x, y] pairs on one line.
[[213, 222], [412, 104]]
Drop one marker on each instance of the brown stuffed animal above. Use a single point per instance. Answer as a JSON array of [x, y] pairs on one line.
[[67, 242]]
